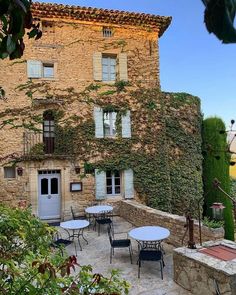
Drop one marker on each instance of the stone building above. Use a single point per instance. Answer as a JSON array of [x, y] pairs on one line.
[[85, 118]]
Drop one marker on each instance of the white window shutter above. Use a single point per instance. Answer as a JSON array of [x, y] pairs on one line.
[[97, 66], [34, 69], [126, 125], [129, 184], [123, 71], [98, 119], [100, 183]]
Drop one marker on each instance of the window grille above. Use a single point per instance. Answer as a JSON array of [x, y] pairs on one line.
[[107, 32]]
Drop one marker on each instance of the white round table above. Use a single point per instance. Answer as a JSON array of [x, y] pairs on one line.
[[77, 227], [149, 233], [98, 209]]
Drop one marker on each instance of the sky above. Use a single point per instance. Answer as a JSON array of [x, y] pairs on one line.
[[191, 59]]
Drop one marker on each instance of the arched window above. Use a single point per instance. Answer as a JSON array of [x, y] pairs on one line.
[[48, 132]]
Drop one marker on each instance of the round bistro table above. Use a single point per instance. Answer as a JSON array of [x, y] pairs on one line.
[[77, 227]]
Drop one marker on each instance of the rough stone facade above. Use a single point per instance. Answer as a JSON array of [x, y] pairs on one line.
[[140, 215], [71, 42]]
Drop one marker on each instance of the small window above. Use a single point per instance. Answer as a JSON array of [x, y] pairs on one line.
[[9, 172], [109, 120], [48, 70], [108, 68], [107, 32], [113, 183], [39, 69]]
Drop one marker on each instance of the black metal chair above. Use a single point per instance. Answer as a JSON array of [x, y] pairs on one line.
[[150, 252], [103, 219], [118, 243], [76, 216], [59, 243]]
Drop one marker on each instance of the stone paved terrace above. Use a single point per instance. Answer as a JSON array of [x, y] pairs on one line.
[[97, 254]]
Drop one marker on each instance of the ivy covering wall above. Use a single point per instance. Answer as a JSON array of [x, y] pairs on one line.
[[164, 150]]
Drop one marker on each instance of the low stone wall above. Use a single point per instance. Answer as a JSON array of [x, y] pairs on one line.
[[202, 274], [140, 215]]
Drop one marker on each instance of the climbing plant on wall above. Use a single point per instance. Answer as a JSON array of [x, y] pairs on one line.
[[164, 149]]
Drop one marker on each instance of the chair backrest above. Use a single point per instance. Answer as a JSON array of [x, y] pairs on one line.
[[151, 246], [72, 212], [109, 234]]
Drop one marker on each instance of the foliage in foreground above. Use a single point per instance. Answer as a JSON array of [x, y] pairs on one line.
[[216, 166], [28, 265], [15, 18]]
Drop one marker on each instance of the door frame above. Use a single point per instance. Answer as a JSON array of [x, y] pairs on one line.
[[45, 173]]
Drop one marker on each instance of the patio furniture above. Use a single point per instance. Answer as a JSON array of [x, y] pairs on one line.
[[149, 240], [99, 214], [102, 219], [77, 227], [149, 254], [76, 216], [118, 243], [59, 242]]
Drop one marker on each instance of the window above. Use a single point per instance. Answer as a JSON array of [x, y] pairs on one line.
[[48, 132], [109, 124], [108, 68], [9, 172], [48, 70], [107, 32], [113, 183], [39, 69], [106, 124]]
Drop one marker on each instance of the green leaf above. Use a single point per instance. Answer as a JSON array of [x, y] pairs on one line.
[[10, 44]]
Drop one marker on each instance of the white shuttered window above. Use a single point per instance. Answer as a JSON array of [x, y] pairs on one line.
[[38, 69], [109, 184], [105, 124], [108, 68]]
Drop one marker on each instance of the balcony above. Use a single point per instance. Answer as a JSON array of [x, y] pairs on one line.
[[38, 145]]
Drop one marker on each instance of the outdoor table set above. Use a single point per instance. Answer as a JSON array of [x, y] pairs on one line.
[[75, 228], [150, 247], [149, 238]]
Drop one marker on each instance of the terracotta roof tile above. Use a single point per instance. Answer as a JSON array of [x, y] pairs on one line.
[[156, 22]]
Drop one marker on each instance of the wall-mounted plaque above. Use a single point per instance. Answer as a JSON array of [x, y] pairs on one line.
[[76, 186]]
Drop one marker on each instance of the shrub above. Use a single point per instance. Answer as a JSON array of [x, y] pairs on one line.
[[29, 266], [216, 166]]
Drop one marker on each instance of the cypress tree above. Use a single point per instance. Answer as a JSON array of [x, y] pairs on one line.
[[216, 165]]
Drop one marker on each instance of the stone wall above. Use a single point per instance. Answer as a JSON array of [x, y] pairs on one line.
[[140, 215], [159, 180], [202, 274]]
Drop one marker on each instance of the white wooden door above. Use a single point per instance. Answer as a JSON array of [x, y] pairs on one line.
[[49, 194]]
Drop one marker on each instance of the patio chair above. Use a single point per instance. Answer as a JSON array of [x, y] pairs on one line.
[[118, 243], [76, 216], [150, 253], [103, 219], [58, 242]]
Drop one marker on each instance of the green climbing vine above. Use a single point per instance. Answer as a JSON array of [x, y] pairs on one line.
[[164, 150]]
